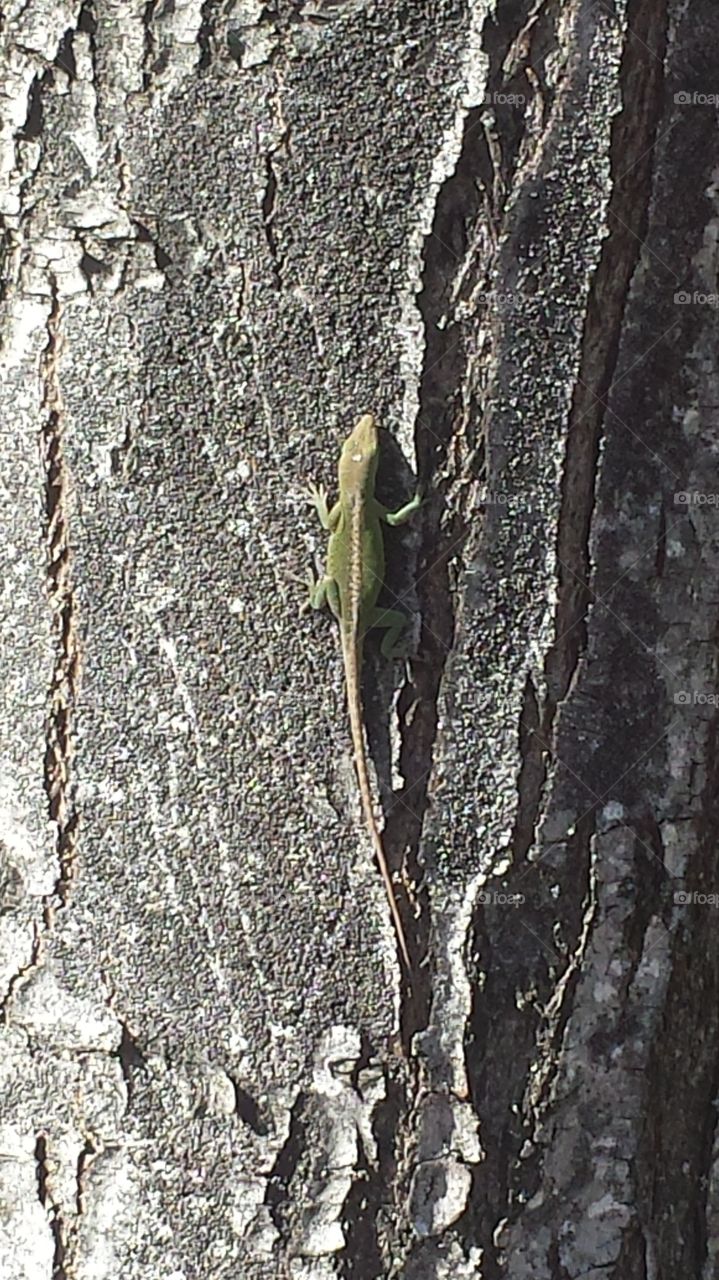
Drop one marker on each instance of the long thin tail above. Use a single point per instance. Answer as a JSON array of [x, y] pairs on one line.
[[351, 657]]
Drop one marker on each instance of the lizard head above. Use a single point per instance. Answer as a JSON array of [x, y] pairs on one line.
[[358, 459]]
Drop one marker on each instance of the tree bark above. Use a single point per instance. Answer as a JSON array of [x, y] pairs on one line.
[[229, 229]]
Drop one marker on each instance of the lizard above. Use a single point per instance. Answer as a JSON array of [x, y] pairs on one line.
[[350, 585]]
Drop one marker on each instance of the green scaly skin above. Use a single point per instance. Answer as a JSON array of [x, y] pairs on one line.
[[351, 585]]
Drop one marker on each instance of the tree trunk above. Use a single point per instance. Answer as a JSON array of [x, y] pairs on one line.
[[229, 229]]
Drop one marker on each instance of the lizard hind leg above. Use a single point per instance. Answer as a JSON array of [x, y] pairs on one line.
[[395, 623], [324, 591]]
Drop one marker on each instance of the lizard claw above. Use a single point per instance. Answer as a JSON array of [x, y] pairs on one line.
[[317, 496]]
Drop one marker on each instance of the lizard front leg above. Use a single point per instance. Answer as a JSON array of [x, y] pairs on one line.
[[329, 518], [324, 590], [398, 517]]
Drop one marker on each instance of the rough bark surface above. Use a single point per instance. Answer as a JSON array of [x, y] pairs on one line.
[[227, 229]]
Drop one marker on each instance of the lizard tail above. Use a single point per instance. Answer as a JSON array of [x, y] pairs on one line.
[[351, 656]]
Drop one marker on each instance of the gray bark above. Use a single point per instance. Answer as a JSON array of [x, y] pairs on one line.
[[228, 229]]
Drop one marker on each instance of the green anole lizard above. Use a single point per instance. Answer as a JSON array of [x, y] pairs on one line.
[[350, 585]]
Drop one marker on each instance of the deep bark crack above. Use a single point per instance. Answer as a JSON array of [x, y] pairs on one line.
[[65, 676], [52, 1208], [631, 156]]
